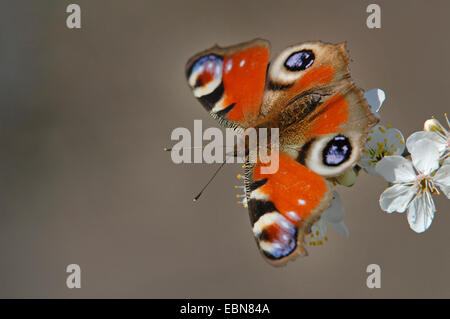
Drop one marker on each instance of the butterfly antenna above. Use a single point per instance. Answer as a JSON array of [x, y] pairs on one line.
[[169, 149], [210, 180]]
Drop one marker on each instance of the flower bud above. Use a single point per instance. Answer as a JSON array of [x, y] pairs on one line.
[[348, 178], [433, 125]]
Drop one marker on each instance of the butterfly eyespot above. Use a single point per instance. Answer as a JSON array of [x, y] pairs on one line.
[[337, 151], [299, 61], [205, 74], [331, 155]]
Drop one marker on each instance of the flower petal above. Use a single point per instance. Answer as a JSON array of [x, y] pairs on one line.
[[370, 169], [430, 137], [375, 136], [425, 156], [336, 212], [341, 228], [368, 155], [375, 99], [320, 228], [396, 169], [397, 198], [442, 178], [395, 142], [421, 212]]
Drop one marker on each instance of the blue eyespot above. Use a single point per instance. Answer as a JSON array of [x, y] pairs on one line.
[[207, 68], [299, 61], [337, 151]]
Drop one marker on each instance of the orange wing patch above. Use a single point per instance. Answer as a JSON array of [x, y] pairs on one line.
[[332, 115], [316, 77], [244, 75], [294, 188]]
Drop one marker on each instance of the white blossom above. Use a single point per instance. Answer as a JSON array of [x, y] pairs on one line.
[[414, 183], [381, 142]]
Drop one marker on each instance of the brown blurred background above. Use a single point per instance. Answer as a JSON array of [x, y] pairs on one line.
[[85, 115]]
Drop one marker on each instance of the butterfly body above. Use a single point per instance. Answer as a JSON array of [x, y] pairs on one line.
[[323, 119]]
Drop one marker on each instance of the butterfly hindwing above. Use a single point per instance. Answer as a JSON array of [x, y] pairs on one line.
[[283, 206], [230, 81]]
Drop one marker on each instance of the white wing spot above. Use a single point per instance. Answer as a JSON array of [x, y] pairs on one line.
[[285, 225], [277, 246], [293, 215], [301, 202], [229, 65]]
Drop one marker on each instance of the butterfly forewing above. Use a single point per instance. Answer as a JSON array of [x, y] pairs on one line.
[[230, 81]]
